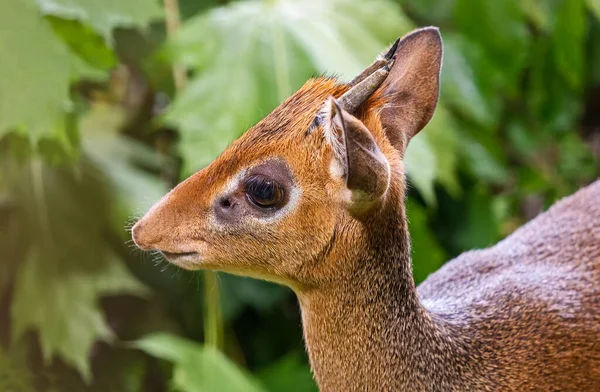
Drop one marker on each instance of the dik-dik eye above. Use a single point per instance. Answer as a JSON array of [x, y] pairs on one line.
[[263, 192]]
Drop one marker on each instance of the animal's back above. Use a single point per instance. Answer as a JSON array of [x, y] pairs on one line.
[[530, 305]]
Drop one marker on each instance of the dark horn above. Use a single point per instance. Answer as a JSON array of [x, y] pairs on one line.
[[381, 61], [358, 94]]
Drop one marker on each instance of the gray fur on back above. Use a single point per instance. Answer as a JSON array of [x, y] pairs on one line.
[[530, 305]]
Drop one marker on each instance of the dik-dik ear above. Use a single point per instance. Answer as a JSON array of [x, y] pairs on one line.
[[411, 89], [364, 167]]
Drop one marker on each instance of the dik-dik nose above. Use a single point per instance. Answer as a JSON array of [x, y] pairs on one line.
[[143, 235]]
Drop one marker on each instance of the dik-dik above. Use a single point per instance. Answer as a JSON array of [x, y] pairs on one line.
[[312, 197]]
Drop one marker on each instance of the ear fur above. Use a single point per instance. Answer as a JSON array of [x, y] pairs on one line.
[[410, 92], [366, 170]]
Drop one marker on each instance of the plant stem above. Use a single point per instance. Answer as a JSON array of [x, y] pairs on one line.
[[213, 320], [173, 22]]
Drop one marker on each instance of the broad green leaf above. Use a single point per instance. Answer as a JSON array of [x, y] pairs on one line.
[[568, 41], [84, 42], [469, 80], [239, 292], [169, 347], [290, 374], [432, 156], [104, 15], [67, 264], [479, 225], [122, 160], [35, 69], [499, 28], [259, 53], [427, 253], [553, 101], [594, 6], [197, 368], [420, 162], [538, 11], [45, 289], [14, 374], [483, 155], [443, 139]]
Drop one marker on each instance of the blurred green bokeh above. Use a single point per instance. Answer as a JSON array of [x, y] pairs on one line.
[[92, 132]]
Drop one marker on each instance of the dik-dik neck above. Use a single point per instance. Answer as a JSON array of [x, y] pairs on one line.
[[368, 330]]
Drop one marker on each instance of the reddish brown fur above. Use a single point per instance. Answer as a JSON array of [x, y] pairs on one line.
[[523, 315]]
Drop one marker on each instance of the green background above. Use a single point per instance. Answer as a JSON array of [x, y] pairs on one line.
[[93, 131]]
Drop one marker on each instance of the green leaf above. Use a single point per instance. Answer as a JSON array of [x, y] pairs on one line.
[[84, 42], [427, 253], [122, 160], [45, 289], [290, 374], [479, 225], [36, 69], [67, 264], [443, 139], [499, 28], [568, 41], [197, 368], [432, 156], [259, 53], [238, 292], [420, 162], [104, 15], [469, 80], [14, 374], [594, 6]]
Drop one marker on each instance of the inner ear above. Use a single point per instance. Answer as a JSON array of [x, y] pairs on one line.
[[366, 169]]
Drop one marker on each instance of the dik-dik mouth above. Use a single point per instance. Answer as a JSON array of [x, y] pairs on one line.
[[171, 255], [186, 260]]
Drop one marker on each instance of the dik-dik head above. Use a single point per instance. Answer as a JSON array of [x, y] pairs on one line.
[[299, 187]]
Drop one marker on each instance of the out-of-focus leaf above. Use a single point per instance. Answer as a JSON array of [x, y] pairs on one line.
[[44, 289], [594, 6], [84, 42], [290, 374], [239, 292], [122, 160], [483, 155], [420, 162], [538, 12], [259, 53], [432, 156], [197, 368], [33, 92], [499, 27], [14, 374], [443, 139], [478, 227], [468, 80], [568, 40], [427, 254], [68, 264], [593, 63], [554, 103], [434, 11], [576, 161], [104, 15]]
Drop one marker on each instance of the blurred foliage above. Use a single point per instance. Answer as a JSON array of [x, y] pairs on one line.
[[92, 132]]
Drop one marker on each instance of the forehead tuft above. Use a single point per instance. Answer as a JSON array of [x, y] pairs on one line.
[[294, 115], [282, 128]]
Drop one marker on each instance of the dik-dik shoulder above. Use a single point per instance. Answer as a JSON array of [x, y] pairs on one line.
[[560, 243], [532, 301]]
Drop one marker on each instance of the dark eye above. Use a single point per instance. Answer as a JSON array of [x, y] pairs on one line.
[[263, 192]]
